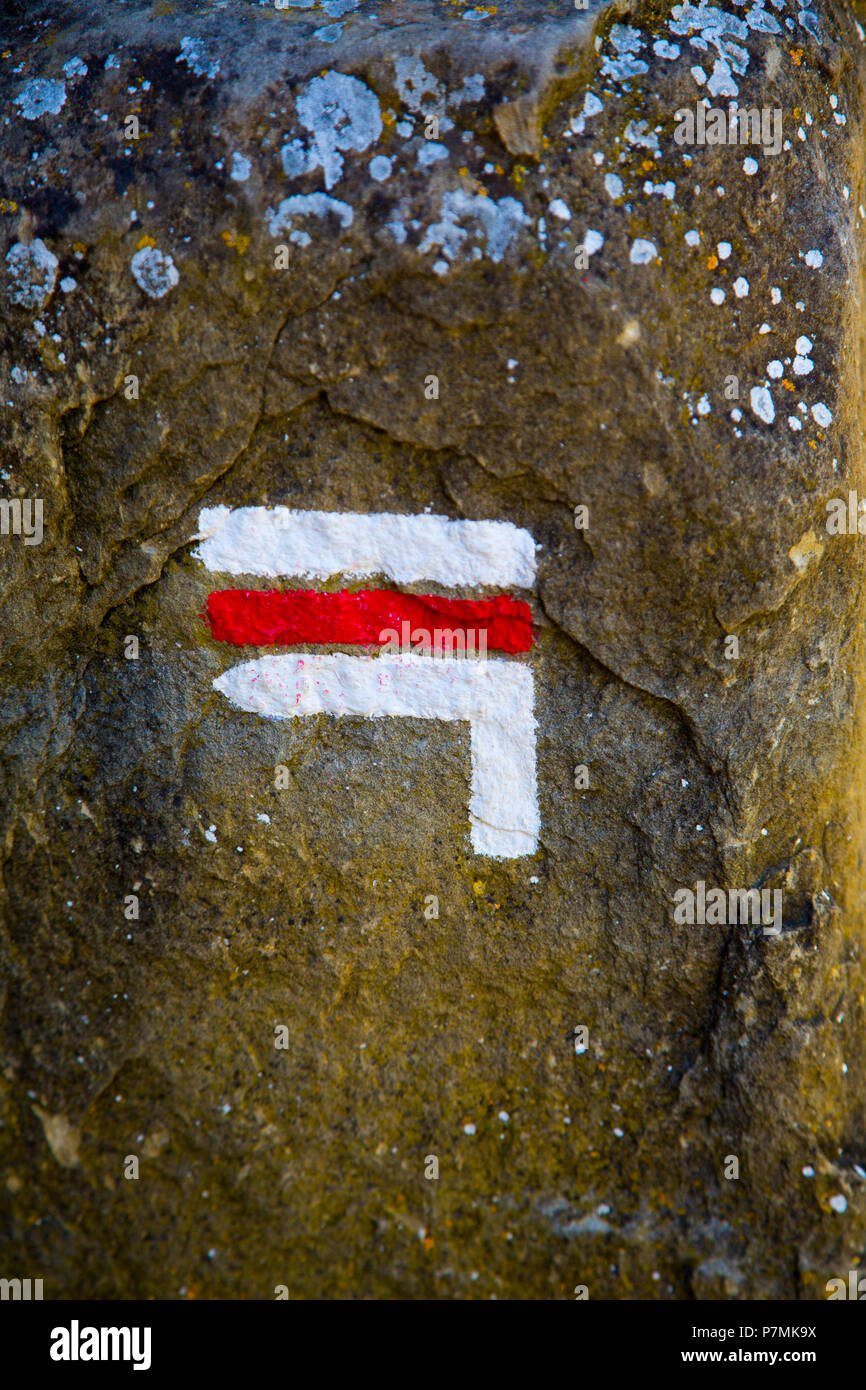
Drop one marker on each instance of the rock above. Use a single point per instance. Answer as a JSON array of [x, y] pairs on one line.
[[402, 259]]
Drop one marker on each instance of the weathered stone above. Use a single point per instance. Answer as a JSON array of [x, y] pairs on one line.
[[435, 174]]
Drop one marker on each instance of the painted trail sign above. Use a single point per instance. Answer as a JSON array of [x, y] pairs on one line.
[[411, 677]]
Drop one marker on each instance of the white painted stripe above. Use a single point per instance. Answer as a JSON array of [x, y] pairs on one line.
[[496, 697], [273, 541]]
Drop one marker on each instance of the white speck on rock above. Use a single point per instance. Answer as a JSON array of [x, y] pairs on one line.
[[821, 415], [814, 259], [717, 296], [560, 209], [613, 185], [241, 168], [741, 287], [839, 1203], [75, 68]]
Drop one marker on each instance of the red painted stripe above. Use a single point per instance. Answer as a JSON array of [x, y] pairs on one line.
[[274, 617]]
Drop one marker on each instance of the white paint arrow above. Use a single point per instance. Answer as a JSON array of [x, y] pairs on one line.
[[496, 697]]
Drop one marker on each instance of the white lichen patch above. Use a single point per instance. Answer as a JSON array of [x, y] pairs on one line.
[[341, 113], [154, 271], [642, 252], [591, 107], [241, 168], [721, 80], [192, 53], [639, 133], [626, 43], [380, 168], [43, 96], [430, 153], [307, 205], [716, 28], [500, 222], [420, 91], [32, 273], [297, 159], [762, 404]]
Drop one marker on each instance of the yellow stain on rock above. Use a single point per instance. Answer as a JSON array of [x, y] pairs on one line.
[[239, 242], [807, 548]]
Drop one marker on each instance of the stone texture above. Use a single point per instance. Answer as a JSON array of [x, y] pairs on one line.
[[559, 386]]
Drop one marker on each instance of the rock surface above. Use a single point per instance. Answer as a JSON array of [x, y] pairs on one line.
[[237, 243]]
